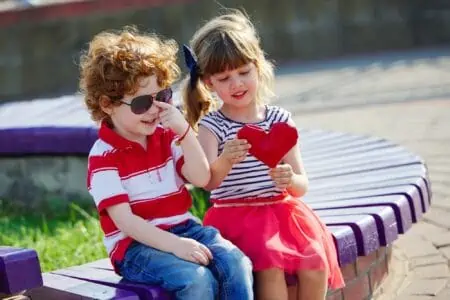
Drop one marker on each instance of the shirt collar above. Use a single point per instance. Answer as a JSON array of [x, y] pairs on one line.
[[113, 138]]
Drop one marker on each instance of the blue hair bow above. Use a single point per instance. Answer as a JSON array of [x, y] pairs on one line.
[[191, 63]]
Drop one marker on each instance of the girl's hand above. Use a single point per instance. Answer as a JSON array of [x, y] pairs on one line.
[[193, 251], [282, 176], [235, 151], [171, 117]]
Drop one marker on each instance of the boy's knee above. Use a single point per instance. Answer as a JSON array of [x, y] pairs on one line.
[[199, 283], [237, 265]]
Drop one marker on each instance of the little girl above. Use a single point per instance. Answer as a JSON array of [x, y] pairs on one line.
[[257, 208]]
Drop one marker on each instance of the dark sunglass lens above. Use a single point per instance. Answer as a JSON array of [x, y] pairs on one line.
[[141, 104], [164, 95]]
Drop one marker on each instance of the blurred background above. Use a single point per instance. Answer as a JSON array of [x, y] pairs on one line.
[[41, 39]]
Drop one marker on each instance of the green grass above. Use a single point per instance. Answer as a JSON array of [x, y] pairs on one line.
[[70, 237]]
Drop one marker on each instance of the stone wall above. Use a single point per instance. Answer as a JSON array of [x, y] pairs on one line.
[[43, 183], [40, 47]]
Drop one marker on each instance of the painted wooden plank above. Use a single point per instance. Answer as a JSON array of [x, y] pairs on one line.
[[411, 192], [13, 262], [364, 228], [57, 287], [346, 245], [398, 203], [320, 173], [418, 182], [384, 218], [108, 277], [363, 156]]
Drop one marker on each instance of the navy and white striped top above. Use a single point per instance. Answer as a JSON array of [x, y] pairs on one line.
[[249, 178]]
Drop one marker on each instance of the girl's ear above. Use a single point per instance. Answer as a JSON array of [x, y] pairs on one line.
[[106, 104], [208, 83]]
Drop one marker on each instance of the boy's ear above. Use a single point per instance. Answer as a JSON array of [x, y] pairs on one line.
[[106, 104]]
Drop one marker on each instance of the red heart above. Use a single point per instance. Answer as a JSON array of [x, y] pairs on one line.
[[270, 147]]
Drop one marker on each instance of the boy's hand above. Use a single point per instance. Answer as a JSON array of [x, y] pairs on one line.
[[235, 151], [282, 176], [171, 117], [193, 251]]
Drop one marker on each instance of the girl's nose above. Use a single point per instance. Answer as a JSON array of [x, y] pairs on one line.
[[235, 82]]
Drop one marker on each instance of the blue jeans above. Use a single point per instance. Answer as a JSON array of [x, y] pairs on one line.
[[228, 275]]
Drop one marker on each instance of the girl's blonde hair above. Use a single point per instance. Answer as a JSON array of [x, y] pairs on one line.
[[116, 61], [224, 43]]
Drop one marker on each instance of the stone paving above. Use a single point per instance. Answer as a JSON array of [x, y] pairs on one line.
[[417, 117]]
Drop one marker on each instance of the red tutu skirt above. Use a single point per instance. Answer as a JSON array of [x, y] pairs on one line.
[[282, 233]]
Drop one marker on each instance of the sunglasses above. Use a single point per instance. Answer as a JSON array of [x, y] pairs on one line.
[[141, 104]]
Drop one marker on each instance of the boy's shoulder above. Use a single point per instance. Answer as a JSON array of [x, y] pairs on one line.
[[101, 148]]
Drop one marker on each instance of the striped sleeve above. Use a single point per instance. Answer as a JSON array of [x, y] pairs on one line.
[[104, 183], [212, 123], [278, 114]]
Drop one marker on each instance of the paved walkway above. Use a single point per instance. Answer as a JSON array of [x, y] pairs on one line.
[[418, 120]]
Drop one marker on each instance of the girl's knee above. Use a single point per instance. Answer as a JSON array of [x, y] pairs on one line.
[[273, 274], [312, 275]]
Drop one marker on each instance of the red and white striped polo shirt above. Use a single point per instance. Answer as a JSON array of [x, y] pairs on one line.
[[150, 180]]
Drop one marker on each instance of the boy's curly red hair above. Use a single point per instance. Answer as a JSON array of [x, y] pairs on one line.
[[116, 61]]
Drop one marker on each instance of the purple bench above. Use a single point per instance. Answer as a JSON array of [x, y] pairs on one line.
[[367, 190]]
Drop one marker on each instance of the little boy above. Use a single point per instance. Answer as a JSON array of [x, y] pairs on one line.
[[137, 171]]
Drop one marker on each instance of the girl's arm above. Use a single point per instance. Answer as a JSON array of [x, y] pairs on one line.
[[292, 174], [196, 168], [234, 151]]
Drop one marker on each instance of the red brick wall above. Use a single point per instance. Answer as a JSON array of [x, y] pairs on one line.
[[363, 277]]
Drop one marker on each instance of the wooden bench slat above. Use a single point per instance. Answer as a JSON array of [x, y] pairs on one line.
[[414, 170], [384, 218], [13, 263], [346, 245], [57, 287], [320, 174], [323, 153], [356, 165], [398, 203], [104, 264], [411, 192], [108, 277], [364, 228], [417, 182], [343, 144], [364, 156]]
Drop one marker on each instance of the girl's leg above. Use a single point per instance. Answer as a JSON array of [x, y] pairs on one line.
[[293, 292], [231, 268], [271, 285], [312, 285], [185, 279]]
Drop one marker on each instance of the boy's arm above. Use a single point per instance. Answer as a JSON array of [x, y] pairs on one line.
[[140, 230], [220, 166]]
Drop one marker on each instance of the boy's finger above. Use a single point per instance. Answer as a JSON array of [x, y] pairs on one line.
[[206, 251], [203, 257], [162, 105]]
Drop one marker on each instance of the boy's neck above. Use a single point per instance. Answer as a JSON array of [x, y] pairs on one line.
[[141, 140], [250, 114]]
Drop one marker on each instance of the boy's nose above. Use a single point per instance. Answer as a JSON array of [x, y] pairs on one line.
[[153, 109]]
